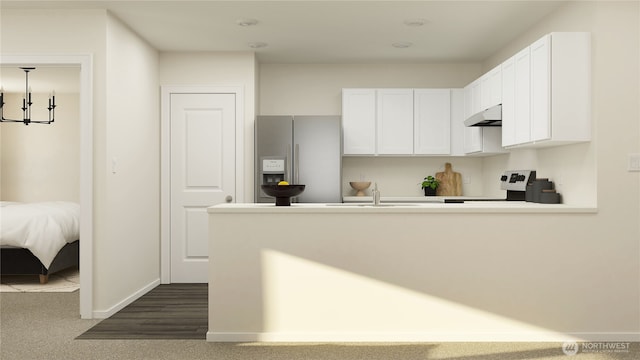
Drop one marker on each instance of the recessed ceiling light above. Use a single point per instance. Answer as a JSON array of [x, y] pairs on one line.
[[415, 22], [401, 44], [247, 22], [257, 44]]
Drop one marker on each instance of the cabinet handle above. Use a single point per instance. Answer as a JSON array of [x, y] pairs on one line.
[[296, 169]]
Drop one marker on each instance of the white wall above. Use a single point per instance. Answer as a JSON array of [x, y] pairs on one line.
[[600, 166], [41, 162], [573, 167], [315, 89], [125, 124], [67, 32], [219, 69], [129, 250], [455, 274], [584, 173]]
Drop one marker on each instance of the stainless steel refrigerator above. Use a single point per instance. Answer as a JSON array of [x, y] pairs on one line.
[[300, 150]]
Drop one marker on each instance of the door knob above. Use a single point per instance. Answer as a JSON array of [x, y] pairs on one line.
[[228, 198]]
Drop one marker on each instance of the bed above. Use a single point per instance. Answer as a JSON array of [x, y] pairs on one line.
[[39, 238]]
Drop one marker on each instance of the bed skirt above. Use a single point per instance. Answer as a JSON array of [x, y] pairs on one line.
[[19, 261]]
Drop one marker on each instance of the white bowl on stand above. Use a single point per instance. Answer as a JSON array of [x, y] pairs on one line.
[[360, 186]]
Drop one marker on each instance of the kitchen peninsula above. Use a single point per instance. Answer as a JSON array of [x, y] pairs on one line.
[[473, 271]]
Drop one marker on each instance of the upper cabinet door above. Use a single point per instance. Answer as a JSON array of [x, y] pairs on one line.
[[508, 102], [491, 88], [522, 96], [467, 102], [476, 97], [395, 121], [473, 104], [432, 121], [540, 89], [457, 122], [473, 139], [359, 121], [552, 92]]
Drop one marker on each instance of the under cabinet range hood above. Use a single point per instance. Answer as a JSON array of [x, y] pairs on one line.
[[489, 117]]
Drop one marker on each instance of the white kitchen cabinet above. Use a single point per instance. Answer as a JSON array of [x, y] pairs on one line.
[[472, 136], [394, 132], [457, 122], [472, 140], [484, 92], [479, 95], [472, 98], [540, 89], [551, 92], [398, 121], [516, 99], [359, 121], [508, 102], [522, 96], [432, 121], [467, 107], [483, 140], [491, 88]]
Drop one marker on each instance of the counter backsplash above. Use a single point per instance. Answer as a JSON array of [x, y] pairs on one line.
[[401, 176], [571, 168]]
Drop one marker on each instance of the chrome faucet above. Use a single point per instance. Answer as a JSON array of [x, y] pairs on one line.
[[376, 194]]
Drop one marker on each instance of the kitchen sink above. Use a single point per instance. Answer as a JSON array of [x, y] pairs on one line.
[[372, 205]]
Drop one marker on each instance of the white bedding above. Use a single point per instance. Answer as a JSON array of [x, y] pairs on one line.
[[44, 228]]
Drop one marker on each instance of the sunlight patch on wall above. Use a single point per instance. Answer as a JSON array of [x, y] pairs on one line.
[[305, 297]]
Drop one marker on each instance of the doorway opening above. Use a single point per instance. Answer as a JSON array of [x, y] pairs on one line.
[[85, 157]]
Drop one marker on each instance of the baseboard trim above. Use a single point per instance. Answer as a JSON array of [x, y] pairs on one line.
[[421, 337], [103, 314]]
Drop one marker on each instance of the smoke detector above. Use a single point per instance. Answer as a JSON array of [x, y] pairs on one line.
[[415, 22], [402, 44], [247, 22], [257, 44]]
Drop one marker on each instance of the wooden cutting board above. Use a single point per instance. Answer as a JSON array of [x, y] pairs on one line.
[[450, 182]]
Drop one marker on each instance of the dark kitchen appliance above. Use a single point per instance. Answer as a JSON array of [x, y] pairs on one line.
[[515, 182], [542, 191], [300, 150]]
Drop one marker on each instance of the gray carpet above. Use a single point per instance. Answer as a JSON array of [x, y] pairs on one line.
[[175, 311], [67, 280], [37, 326]]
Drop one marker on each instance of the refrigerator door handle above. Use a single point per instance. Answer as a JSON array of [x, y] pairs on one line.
[[296, 167], [287, 165]]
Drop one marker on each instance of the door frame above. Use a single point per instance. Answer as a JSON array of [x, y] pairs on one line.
[[85, 63], [165, 160]]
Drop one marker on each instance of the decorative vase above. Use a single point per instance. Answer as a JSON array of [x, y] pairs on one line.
[[360, 186], [429, 191]]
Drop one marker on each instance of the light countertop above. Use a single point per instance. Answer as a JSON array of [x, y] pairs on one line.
[[508, 207], [415, 199]]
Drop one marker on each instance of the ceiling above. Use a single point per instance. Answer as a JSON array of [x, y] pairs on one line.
[[322, 31]]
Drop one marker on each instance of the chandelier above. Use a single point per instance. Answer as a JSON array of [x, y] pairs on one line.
[[26, 104]]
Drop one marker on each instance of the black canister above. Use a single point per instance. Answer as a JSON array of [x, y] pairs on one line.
[[549, 197], [528, 195], [537, 187]]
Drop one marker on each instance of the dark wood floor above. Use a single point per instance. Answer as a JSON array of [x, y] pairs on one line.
[[175, 311]]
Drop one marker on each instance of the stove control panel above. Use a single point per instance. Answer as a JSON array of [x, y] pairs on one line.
[[517, 180]]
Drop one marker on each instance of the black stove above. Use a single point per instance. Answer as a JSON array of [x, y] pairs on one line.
[[515, 182]]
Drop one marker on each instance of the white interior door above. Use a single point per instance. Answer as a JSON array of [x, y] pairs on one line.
[[202, 155]]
